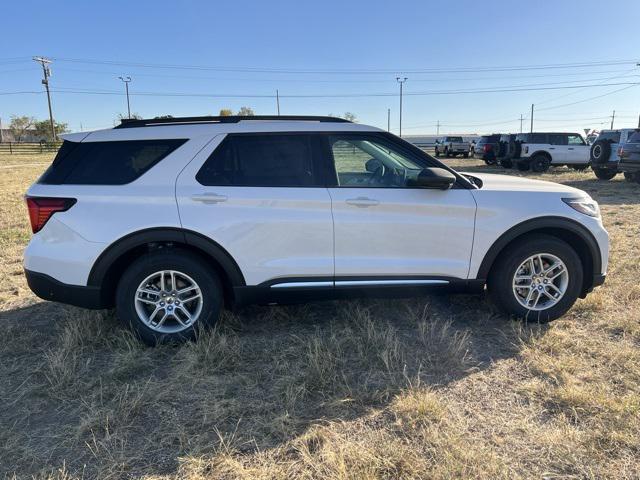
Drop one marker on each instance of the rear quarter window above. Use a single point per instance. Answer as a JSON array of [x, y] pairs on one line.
[[106, 163]]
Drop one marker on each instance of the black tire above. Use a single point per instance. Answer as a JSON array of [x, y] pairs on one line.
[[465, 155], [501, 276], [600, 151], [177, 260], [632, 177], [523, 165], [517, 149], [506, 163], [437, 152], [540, 163], [604, 174], [446, 153], [489, 158], [580, 168]]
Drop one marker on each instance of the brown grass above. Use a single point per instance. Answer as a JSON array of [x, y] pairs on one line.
[[436, 387]]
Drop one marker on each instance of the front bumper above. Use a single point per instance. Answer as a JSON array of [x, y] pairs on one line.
[[48, 288]]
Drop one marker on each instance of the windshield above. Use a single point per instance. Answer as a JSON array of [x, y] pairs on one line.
[[454, 139]]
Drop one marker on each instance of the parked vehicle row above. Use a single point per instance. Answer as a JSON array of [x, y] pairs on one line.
[[610, 153]]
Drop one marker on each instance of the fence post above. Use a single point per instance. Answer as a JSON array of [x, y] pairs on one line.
[[10, 148]]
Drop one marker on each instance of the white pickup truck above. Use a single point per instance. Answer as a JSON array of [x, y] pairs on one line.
[[452, 146]]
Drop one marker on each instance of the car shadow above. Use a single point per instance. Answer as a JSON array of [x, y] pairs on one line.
[[80, 391]]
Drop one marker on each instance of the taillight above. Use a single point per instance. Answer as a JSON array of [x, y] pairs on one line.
[[620, 152], [487, 148], [42, 208]]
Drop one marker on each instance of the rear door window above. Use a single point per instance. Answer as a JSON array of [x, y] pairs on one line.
[[106, 163], [635, 137], [557, 139], [269, 160]]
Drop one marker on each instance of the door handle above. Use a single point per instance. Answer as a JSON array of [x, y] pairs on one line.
[[552, 148], [570, 148], [362, 202], [209, 198]]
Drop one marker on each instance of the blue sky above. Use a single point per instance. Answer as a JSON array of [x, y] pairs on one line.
[[346, 48]]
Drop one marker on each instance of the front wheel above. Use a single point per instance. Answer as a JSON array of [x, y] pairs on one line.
[[523, 165], [437, 152], [539, 280], [604, 174], [165, 295], [465, 155], [506, 163]]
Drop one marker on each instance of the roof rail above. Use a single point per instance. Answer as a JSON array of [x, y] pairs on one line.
[[133, 123]]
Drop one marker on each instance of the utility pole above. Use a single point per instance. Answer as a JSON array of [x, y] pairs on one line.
[[1, 138], [401, 81], [278, 101], [521, 119], [45, 81], [438, 128], [126, 81], [532, 118], [388, 119], [613, 117]]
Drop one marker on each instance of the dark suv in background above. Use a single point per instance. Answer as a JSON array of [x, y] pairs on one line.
[[507, 150], [629, 155], [487, 148]]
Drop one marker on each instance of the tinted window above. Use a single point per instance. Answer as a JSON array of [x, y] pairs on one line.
[[454, 139], [260, 161], [370, 161], [106, 163], [556, 139], [635, 138], [613, 136]]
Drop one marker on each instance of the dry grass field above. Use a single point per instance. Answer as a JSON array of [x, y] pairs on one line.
[[435, 387]]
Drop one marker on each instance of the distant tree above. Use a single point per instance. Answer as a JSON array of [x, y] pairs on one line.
[[19, 126], [246, 112], [350, 116], [160, 117], [225, 112], [347, 116], [134, 116], [43, 129]]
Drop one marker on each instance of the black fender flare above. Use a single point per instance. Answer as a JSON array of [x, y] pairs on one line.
[[165, 235], [557, 223]]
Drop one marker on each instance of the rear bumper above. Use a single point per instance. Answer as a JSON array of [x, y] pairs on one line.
[[48, 288], [632, 167]]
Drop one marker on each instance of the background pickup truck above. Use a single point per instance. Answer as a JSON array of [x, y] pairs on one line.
[[452, 146]]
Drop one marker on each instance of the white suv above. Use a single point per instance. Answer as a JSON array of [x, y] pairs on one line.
[[170, 220], [539, 151]]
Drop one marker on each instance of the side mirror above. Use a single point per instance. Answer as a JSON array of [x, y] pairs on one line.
[[373, 165], [435, 178]]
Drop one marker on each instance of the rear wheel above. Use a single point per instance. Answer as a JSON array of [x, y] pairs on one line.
[[632, 177], [580, 168], [540, 163], [604, 174], [506, 163], [465, 155], [437, 152], [539, 280], [523, 165], [163, 296]]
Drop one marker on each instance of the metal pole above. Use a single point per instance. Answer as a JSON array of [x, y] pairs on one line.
[[1, 138], [613, 117], [521, 119], [438, 128], [45, 81], [278, 101], [401, 82], [532, 118], [388, 119], [126, 81]]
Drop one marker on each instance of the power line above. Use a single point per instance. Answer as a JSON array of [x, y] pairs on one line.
[[348, 95], [352, 71]]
